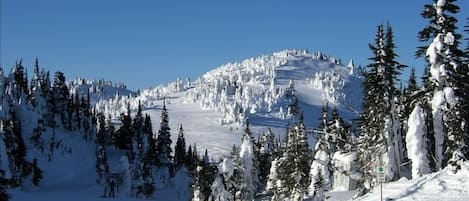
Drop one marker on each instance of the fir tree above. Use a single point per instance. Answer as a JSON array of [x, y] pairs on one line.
[[448, 79], [248, 167], [180, 149], [267, 148], [124, 133], [380, 140], [60, 99], [163, 141], [219, 193], [293, 166]]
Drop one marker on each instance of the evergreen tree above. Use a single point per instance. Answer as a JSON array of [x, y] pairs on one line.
[[448, 79], [248, 167], [293, 166], [324, 118], [380, 139], [321, 166], [16, 149], [124, 133], [219, 193], [340, 130], [267, 149], [416, 144], [60, 99], [190, 162], [180, 149], [20, 86], [163, 141]]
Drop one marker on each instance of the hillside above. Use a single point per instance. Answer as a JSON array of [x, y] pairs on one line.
[[215, 106]]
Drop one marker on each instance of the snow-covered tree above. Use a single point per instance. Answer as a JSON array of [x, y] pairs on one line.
[[447, 78], [321, 167], [415, 140], [293, 167], [249, 168], [219, 193], [267, 152], [380, 140], [197, 194]]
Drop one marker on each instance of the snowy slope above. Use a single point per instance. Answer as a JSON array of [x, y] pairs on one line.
[[214, 107], [442, 185]]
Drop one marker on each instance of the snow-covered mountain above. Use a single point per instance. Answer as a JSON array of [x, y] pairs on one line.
[[216, 105]]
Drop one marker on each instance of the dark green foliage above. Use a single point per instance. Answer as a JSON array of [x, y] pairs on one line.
[[190, 162], [60, 98], [437, 24], [294, 165], [380, 115], [149, 140], [20, 82], [163, 141], [125, 132], [180, 149]]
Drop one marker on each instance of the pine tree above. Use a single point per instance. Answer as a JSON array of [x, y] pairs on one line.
[[124, 133], [380, 139], [60, 99], [267, 148], [340, 130], [321, 166], [324, 118], [370, 138], [163, 141], [16, 150], [447, 78], [190, 162], [20, 87], [219, 193], [293, 166], [180, 149], [248, 167]]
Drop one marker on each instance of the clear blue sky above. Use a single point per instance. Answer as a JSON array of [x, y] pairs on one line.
[[144, 43]]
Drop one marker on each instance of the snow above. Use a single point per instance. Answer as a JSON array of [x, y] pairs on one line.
[[442, 185], [415, 142], [437, 102], [213, 110]]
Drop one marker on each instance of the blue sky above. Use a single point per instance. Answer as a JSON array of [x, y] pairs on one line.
[[144, 43]]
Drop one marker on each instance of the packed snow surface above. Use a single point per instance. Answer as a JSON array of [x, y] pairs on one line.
[[443, 185]]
